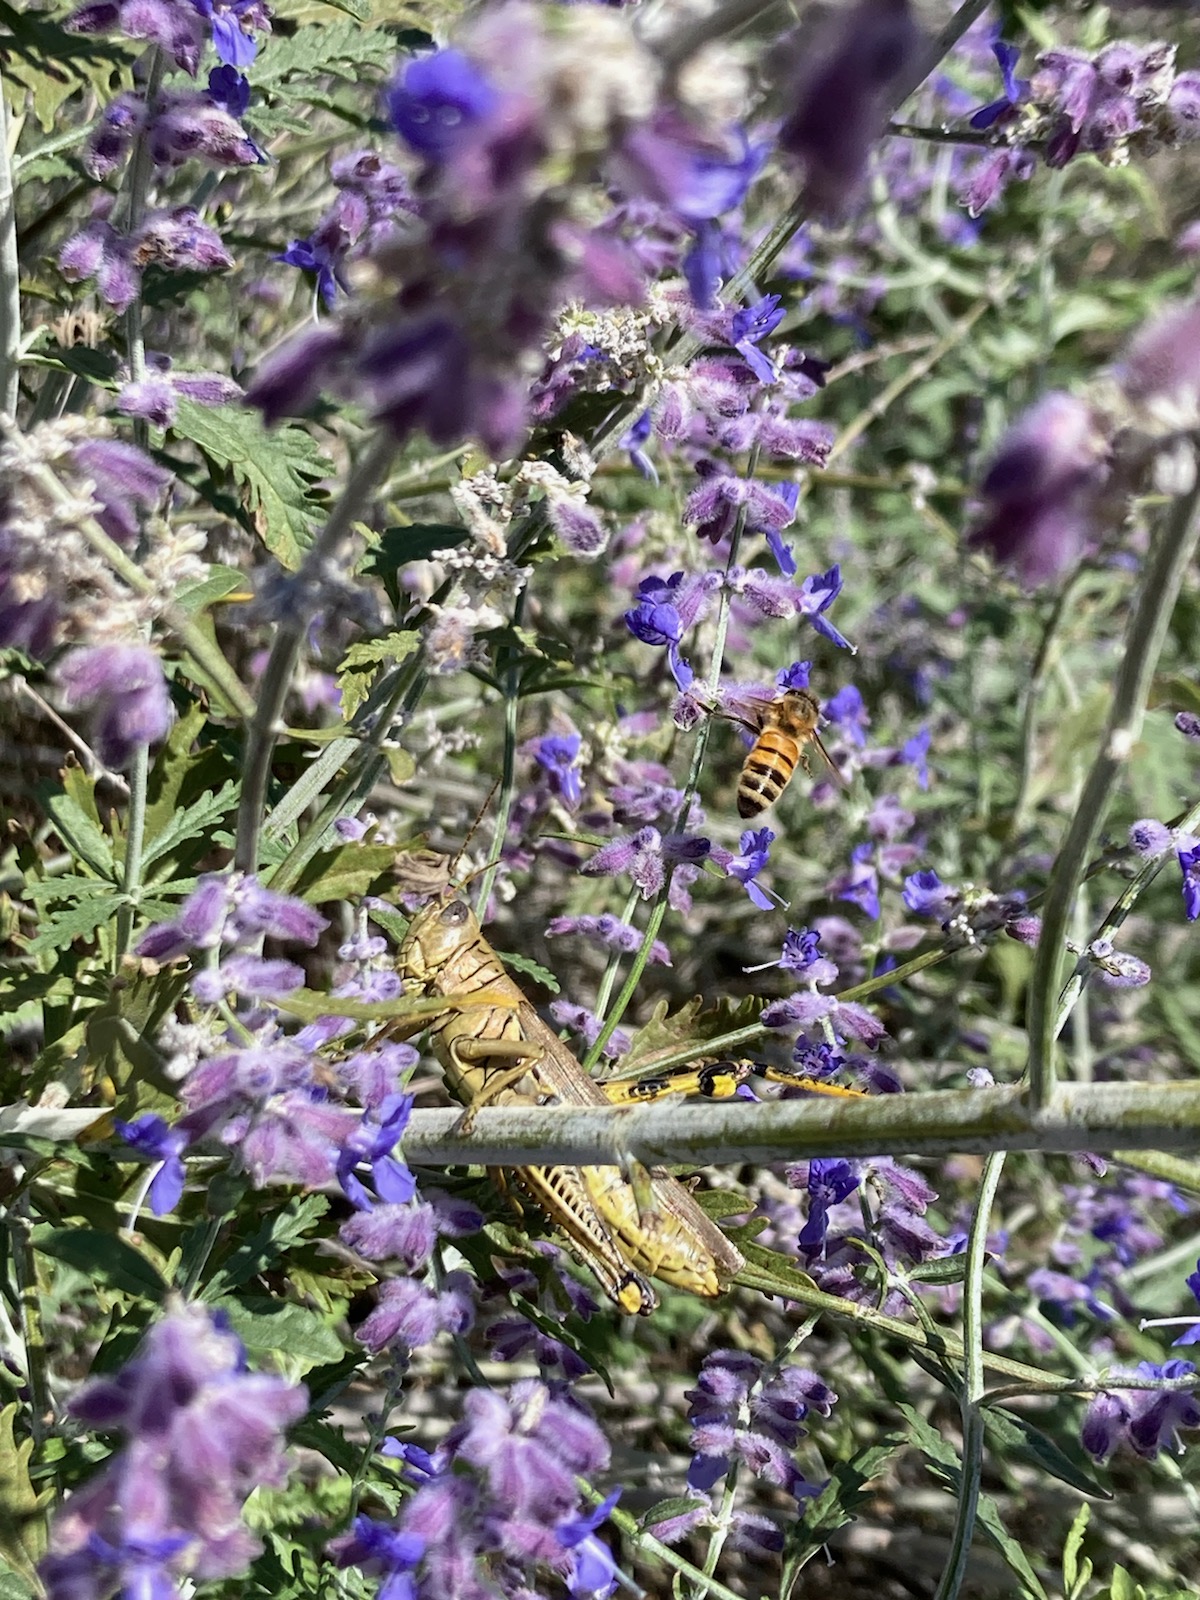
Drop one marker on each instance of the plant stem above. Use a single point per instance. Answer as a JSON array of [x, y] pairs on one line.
[[1100, 1117], [10, 275], [1162, 576], [135, 835], [973, 1385], [306, 590]]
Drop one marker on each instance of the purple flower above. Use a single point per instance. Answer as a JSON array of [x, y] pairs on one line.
[[633, 439], [172, 24], [1015, 89], [749, 328], [817, 594], [150, 1136], [383, 1552], [656, 620], [1150, 838], [847, 712], [595, 1572], [1192, 1336], [229, 89], [755, 845], [439, 102], [829, 1183], [1162, 361], [799, 949], [927, 896], [374, 1142], [861, 885], [557, 755], [232, 23], [1157, 1418], [125, 687], [319, 256], [1189, 865]]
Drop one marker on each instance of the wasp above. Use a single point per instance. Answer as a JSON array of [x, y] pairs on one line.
[[504, 1054], [786, 725]]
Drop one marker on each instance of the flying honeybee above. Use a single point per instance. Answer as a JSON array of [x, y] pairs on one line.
[[786, 725]]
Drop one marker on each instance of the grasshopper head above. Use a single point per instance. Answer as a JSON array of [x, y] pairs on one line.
[[435, 935]]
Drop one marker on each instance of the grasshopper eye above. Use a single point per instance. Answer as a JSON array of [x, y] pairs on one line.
[[456, 912]]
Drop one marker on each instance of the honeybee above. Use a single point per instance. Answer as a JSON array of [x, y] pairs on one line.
[[786, 725]]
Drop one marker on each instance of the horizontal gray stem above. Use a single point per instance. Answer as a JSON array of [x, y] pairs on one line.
[[1098, 1117]]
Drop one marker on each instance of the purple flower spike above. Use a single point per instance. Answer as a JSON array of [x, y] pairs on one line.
[[201, 1432], [439, 103], [841, 101], [124, 685]]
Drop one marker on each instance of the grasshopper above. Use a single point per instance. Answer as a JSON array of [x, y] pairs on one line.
[[506, 1055]]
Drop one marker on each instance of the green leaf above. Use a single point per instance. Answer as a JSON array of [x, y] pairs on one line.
[[1075, 1573], [1015, 1438], [415, 541], [531, 968], [272, 1327], [770, 1271], [22, 1531], [42, 59], [275, 468], [943, 1456], [337, 49], [357, 670], [73, 811], [190, 825], [268, 1245], [61, 928], [220, 582], [836, 1505], [677, 1506], [1122, 1586], [345, 873], [105, 1258]]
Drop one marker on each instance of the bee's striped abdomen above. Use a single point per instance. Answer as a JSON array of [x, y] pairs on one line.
[[766, 772]]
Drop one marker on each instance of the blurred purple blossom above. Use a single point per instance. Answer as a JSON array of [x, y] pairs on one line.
[[841, 97], [124, 687], [201, 1433], [1036, 488]]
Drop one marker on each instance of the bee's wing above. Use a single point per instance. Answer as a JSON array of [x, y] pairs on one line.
[[829, 761], [748, 710]]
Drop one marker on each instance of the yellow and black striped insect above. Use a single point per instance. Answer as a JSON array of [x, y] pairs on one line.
[[504, 1054], [787, 724]]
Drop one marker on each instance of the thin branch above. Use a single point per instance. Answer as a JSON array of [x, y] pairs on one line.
[[1162, 577], [1095, 1116]]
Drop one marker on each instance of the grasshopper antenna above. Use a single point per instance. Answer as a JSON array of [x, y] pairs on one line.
[[472, 831]]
